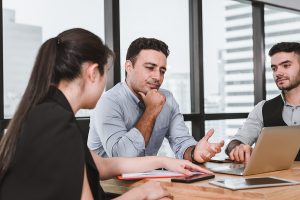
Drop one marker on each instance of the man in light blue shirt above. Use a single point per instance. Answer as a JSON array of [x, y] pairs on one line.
[[134, 117]]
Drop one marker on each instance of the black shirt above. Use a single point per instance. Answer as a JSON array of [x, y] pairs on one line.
[[50, 156]]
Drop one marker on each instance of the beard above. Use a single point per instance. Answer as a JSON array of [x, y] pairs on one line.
[[294, 83]]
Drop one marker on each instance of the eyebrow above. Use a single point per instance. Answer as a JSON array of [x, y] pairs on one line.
[[284, 62], [150, 63]]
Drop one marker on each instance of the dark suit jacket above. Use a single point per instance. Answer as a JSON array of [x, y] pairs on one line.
[[50, 156]]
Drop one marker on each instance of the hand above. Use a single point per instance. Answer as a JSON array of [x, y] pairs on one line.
[[153, 100], [182, 166], [150, 191], [241, 153], [204, 150]]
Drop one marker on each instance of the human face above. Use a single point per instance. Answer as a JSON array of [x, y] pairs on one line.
[[286, 70], [96, 86], [148, 71], [103, 80]]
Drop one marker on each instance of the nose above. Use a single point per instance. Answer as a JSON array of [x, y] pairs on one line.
[[279, 72], [156, 75]]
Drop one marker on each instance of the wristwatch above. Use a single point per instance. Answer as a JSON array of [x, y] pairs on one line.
[[192, 156]]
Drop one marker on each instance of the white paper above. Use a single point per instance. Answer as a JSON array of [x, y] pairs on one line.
[[155, 173]]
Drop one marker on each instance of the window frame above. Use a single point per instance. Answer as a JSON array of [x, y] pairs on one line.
[[197, 115]]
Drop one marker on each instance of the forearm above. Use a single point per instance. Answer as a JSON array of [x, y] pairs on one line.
[[232, 145], [112, 167], [145, 124]]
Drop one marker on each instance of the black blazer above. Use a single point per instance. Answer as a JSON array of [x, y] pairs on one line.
[[50, 156]]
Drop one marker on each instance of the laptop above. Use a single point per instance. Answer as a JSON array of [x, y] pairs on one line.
[[276, 149]]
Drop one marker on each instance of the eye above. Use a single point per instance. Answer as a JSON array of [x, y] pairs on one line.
[[286, 65], [150, 67], [273, 69], [162, 71]]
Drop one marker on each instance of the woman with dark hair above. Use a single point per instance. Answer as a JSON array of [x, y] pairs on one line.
[[43, 154]]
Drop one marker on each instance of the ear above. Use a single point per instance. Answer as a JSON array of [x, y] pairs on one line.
[[93, 72], [128, 66]]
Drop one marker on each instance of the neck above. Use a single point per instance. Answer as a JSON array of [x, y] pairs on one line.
[[72, 93], [293, 96], [132, 90]]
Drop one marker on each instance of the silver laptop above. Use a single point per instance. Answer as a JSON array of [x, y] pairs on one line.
[[276, 149]]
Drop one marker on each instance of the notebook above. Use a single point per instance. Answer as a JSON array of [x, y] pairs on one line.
[[276, 149], [153, 174]]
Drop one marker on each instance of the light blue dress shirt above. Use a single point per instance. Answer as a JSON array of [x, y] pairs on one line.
[[112, 126]]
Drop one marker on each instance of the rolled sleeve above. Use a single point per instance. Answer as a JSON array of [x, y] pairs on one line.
[[179, 136], [183, 147], [110, 127], [250, 130], [121, 148]]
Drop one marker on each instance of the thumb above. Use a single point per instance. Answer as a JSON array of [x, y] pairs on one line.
[[142, 95], [222, 143], [209, 134], [182, 169], [186, 172]]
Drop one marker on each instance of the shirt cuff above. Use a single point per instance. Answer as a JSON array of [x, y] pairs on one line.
[[180, 153], [232, 145]]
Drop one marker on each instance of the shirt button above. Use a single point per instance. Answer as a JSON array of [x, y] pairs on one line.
[[295, 122]]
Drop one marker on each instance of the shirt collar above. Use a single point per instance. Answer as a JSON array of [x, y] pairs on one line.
[[133, 97], [285, 102]]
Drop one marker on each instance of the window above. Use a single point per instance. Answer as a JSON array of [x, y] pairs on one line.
[[168, 21], [224, 129], [228, 57], [281, 25], [26, 25]]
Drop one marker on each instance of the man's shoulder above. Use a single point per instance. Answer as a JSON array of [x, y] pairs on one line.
[[115, 92], [278, 98], [261, 103], [166, 93]]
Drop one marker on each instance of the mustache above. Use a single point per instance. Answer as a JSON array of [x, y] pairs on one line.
[[279, 78], [153, 82]]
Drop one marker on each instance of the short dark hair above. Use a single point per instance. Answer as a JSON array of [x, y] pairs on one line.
[[146, 43], [285, 47]]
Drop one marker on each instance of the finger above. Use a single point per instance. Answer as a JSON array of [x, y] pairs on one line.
[[216, 147], [236, 155], [193, 167], [209, 134], [205, 158], [170, 197], [221, 144], [142, 95], [247, 155], [165, 191], [210, 150], [241, 155], [187, 172], [183, 169], [231, 155]]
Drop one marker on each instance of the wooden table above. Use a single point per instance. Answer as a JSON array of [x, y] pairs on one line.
[[204, 190]]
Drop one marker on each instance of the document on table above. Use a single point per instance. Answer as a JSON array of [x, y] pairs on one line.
[[153, 174]]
